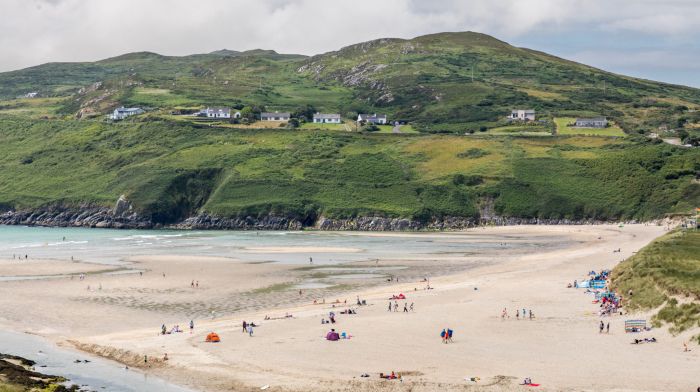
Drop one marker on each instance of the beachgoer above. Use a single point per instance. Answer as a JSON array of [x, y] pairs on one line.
[[191, 326], [504, 314], [396, 306], [196, 284], [390, 306], [405, 307], [245, 327], [311, 260], [192, 284], [163, 329], [517, 314], [411, 307], [531, 314], [250, 330], [607, 328], [165, 357], [601, 327], [443, 335]]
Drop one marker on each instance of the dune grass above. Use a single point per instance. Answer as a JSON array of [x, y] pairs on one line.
[[665, 275]]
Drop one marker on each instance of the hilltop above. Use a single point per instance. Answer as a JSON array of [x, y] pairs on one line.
[[64, 157]]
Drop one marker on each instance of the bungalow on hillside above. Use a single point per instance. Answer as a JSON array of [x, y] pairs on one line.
[[276, 116], [522, 115], [372, 118], [216, 113], [122, 113], [324, 118], [595, 122]]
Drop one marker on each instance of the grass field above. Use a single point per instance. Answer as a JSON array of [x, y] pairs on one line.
[[162, 165], [665, 275], [329, 127], [564, 129], [390, 129]]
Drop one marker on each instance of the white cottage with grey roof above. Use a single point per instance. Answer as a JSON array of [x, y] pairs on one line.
[[594, 122], [326, 118], [122, 113], [372, 118], [276, 116], [522, 115]]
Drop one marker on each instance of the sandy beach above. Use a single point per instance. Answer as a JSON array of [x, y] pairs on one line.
[[120, 316]]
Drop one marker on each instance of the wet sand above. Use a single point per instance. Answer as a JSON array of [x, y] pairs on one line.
[[560, 348]]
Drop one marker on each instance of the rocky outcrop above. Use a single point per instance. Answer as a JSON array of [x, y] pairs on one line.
[[124, 216], [85, 215], [205, 221]]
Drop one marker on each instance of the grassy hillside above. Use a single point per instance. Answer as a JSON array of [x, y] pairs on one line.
[[449, 82], [665, 274], [59, 148], [170, 170]]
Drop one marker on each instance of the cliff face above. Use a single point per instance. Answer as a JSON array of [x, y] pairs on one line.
[[122, 216]]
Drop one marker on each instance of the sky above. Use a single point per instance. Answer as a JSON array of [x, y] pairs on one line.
[[652, 39]]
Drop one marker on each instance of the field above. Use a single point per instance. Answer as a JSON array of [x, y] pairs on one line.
[[564, 129], [390, 129], [665, 276], [329, 127]]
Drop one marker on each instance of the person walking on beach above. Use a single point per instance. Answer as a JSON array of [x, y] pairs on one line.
[[600, 330], [531, 315], [311, 260], [196, 284], [250, 330], [192, 284], [405, 307], [390, 306], [504, 314], [517, 314], [191, 326], [245, 327], [396, 306], [411, 307], [607, 328]]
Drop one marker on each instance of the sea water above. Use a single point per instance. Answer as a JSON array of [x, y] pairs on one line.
[[112, 247]]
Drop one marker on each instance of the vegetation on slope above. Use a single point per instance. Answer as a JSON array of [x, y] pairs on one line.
[[449, 82], [171, 170], [665, 275]]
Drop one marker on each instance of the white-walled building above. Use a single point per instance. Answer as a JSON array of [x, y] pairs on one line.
[[372, 118], [216, 112], [276, 116], [122, 113], [325, 118], [522, 115]]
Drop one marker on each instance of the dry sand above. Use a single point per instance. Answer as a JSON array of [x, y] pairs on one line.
[[560, 348]]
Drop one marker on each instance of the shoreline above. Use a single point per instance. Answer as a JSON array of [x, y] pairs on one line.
[[499, 352], [124, 218]]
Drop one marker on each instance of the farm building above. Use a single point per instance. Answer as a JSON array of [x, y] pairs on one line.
[[595, 122], [372, 118], [324, 118]]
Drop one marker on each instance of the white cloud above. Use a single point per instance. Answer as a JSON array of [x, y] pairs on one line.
[[37, 31]]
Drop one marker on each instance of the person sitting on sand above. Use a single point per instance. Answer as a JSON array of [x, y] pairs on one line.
[[165, 357]]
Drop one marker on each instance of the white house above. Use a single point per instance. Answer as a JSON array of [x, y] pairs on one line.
[[276, 116], [216, 112], [595, 122], [522, 115], [237, 114], [372, 118], [122, 113], [324, 118]]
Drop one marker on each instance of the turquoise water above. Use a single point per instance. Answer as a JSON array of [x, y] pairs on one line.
[[111, 247], [97, 375]]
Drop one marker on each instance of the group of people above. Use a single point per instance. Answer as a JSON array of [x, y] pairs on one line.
[[446, 335], [248, 328], [395, 307], [525, 313]]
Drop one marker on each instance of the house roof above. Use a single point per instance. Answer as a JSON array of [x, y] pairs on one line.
[[330, 116], [222, 110], [527, 111], [364, 116], [275, 114], [592, 119], [127, 110]]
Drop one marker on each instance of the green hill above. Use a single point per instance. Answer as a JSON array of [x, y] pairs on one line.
[[459, 84]]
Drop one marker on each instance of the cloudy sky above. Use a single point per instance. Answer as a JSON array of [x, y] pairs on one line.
[[654, 39]]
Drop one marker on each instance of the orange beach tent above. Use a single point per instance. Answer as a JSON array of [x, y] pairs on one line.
[[213, 337]]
